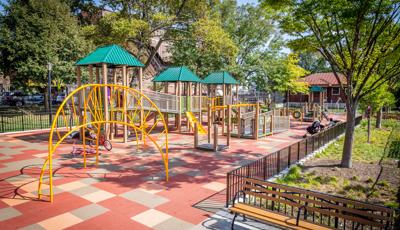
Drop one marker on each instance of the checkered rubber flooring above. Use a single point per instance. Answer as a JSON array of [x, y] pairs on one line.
[[127, 190]]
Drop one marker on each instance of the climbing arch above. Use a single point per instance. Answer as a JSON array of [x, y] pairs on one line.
[[99, 108]]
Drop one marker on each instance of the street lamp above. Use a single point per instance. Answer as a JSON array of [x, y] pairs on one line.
[[49, 67]]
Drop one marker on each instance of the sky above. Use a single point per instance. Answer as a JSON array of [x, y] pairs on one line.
[[240, 2]]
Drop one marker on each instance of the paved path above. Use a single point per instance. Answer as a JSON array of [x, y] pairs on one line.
[[127, 190]]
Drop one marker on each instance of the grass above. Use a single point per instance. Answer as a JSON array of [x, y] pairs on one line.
[[362, 151], [351, 183]]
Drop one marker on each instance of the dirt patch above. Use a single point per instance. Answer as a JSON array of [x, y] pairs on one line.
[[359, 182]]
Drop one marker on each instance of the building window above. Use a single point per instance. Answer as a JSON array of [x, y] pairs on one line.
[[335, 91]]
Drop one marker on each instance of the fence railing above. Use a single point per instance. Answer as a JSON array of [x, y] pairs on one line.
[[274, 163], [14, 122], [280, 123]]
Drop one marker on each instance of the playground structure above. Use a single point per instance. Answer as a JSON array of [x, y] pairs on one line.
[[106, 109], [309, 112]]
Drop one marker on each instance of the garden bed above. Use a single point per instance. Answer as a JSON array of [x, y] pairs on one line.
[[367, 180]]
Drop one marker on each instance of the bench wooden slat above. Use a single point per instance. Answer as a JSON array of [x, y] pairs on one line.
[[322, 211], [275, 218], [320, 195], [323, 204]]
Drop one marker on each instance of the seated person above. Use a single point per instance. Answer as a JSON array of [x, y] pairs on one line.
[[314, 128], [332, 122]]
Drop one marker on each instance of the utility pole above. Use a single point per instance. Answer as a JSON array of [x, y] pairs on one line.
[[49, 67]]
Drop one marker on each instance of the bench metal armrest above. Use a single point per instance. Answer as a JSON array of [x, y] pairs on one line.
[[236, 196], [298, 214]]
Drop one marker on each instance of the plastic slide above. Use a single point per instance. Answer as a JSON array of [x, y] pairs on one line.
[[193, 120]]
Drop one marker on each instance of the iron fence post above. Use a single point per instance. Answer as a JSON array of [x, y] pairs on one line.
[[2, 123], [289, 157], [265, 168], [298, 150], [228, 188], [40, 120], [22, 119], [306, 152], [278, 164]]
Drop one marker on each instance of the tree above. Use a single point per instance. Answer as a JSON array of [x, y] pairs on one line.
[[135, 24], [313, 62], [377, 100], [35, 32], [252, 29], [359, 39], [260, 60], [205, 47], [86, 11], [282, 75]]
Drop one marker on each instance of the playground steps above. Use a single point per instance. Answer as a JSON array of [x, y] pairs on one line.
[[193, 120]]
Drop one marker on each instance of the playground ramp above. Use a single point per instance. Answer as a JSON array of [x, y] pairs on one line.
[[193, 120]]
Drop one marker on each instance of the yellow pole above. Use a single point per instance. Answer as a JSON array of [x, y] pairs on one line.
[[105, 101], [142, 121], [125, 83], [228, 131], [200, 103]]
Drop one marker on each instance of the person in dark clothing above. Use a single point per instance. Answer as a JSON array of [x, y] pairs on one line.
[[314, 128]]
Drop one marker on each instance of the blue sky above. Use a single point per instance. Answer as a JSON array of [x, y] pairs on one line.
[[241, 2]]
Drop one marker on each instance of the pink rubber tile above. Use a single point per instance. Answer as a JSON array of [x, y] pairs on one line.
[[123, 206], [109, 220], [184, 212], [36, 211]]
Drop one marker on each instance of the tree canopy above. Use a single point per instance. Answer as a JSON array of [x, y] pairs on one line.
[[33, 33], [359, 39]]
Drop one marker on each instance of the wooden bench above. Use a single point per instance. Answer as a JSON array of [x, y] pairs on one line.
[[283, 205]]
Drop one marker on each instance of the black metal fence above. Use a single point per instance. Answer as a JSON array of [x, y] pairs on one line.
[[274, 163], [21, 121]]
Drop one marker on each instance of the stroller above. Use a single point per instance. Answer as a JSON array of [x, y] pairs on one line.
[[314, 128]]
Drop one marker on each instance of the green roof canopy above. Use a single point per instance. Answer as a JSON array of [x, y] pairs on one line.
[[220, 78], [112, 55], [174, 74]]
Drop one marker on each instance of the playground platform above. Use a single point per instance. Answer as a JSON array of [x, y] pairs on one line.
[[128, 189]]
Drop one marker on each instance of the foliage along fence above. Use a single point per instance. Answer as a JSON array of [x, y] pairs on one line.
[[274, 163], [14, 122]]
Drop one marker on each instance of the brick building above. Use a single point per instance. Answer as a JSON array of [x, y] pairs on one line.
[[323, 87]]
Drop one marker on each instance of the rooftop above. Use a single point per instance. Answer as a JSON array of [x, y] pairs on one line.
[[113, 55], [174, 74], [324, 79], [220, 78]]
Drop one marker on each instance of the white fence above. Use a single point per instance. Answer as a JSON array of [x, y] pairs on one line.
[[326, 105], [280, 123], [165, 102]]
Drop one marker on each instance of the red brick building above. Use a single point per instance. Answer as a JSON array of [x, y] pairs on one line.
[[323, 87]]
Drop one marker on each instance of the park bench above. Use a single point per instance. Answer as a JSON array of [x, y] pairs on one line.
[[296, 208]]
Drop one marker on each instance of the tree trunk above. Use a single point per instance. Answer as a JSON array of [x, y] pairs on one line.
[[349, 136], [378, 124]]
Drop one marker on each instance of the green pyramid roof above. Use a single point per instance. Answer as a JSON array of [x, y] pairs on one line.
[[173, 74], [112, 55], [220, 78]]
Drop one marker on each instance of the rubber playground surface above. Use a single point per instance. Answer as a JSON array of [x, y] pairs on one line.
[[128, 189]]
